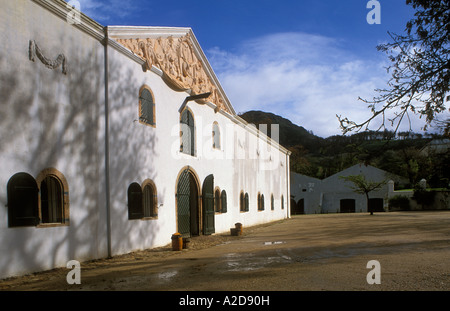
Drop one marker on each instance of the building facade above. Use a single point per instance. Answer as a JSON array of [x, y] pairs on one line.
[[114, 138]]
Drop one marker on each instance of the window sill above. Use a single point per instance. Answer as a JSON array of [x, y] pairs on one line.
[[50, 225], [147, 124], [150, 218]]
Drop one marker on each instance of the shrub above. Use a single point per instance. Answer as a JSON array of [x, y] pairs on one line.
[[399, 202], [424, 198]]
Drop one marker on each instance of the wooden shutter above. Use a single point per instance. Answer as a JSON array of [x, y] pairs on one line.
[[223, 198], [135, 210], [183, 204], [191, 134], [149, 201], [185, 132], [147, 106], [208, 205], [217, 201], [22, 193], [247, 208]]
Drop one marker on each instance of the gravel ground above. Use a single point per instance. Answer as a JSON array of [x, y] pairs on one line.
[[305, 253]]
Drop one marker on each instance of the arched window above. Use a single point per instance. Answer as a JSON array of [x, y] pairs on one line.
[[242, 202], [260, 202], [216, 136], [146, 107], [187, 133], [149, 200], [23, 210], [135, 201], [52, 204], [223, 198], [54, 197], [217, 202], [142, 201]]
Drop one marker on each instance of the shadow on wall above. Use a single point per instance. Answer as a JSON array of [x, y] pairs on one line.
[[59, 121], [132, 154]]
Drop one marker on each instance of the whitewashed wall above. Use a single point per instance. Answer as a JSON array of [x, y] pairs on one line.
[[52, 120], [139, 152], [49, 119]]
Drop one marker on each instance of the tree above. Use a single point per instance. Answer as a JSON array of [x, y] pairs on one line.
[[420, 70], [363, 186]]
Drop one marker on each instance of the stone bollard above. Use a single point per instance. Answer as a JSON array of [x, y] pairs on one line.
[[177, 242]]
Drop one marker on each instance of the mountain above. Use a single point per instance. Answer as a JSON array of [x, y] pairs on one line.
[[398, 153], [290, 134]]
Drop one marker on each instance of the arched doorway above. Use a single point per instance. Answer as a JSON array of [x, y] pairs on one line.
[[187, 196]]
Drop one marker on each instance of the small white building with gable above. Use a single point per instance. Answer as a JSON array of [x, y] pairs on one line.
[[335, 195]]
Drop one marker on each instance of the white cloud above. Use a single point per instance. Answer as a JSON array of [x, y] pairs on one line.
[[305, 78], [103, 11]]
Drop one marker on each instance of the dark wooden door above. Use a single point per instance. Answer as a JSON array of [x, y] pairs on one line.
[[376, 205], [347, 206], [183, 204], [22, 201], [208, 205]]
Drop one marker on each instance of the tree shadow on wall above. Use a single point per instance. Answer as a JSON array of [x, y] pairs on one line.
[[59, 121], [132, 153]]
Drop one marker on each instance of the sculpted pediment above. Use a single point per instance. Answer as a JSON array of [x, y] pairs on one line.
[[177, 59]]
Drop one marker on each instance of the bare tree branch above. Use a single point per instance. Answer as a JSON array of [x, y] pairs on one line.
[[420, 71]]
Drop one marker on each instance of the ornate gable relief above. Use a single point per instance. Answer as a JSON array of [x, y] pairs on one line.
[[181, 67]]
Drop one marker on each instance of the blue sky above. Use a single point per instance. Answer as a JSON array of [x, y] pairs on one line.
[[306, 60]]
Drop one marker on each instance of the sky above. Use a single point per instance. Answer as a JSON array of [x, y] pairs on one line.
[[305, 60]]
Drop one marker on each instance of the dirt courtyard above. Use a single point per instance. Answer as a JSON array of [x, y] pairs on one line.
[[305, 253]]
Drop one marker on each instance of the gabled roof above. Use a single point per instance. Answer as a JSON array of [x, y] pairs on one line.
[[177, 55], [357, 169], [362, 169]]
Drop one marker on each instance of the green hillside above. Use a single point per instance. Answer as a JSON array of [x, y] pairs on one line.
[[322, 157]]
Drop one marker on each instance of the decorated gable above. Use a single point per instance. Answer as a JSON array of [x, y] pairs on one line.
[[177, 59]]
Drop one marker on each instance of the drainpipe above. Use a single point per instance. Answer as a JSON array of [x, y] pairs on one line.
[[288, 186], [107, 184]]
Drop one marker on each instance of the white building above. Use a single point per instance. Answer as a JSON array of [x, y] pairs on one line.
[[114, 138], [335, 195]]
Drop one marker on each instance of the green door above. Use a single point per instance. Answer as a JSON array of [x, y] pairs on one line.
[[187, 205], [183, 204], [208, 205]]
